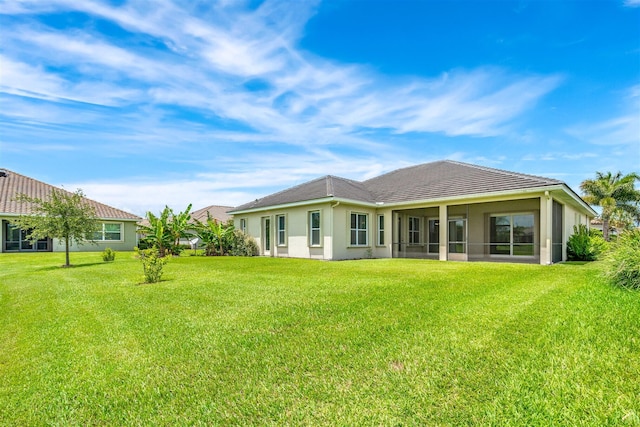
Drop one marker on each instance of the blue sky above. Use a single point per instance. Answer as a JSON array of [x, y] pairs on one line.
[[147, 103]]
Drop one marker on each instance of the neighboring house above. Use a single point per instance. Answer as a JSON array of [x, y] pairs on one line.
[[443, 210], [219, 213], [118, 228]]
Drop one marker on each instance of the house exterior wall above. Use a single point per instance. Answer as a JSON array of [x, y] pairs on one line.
[[297, 243], [476, 213], [126, 243]]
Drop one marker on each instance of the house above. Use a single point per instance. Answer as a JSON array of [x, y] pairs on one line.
[[117, 227], [444, 210], [219, 213]]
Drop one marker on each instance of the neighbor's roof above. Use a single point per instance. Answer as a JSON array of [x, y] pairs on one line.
[[442, 179], [218, 213], [12, 184]]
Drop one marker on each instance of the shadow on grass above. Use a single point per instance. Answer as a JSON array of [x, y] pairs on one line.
[[72, 266]]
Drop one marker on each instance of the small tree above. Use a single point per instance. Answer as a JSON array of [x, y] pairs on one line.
[[63, 215]]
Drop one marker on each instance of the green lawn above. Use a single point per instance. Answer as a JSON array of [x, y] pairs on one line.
[[260, 341]]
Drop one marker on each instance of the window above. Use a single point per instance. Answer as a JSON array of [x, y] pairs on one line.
[[314, 228], [108, 232], [511, 235], [380, 230], [282, 231], [414, 230], [243, 225], [12, 238], [457, 236], [359, 229], [434, 236]]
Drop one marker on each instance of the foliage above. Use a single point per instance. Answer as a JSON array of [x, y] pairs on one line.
[[622, 263], [165, 231], [108, 255], [152, 264], [585, 244], [616, 194], [63, 215], [243, 244], [272, 341], [177, 227], [215, 235]]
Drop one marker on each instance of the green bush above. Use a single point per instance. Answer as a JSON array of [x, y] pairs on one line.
[[108, 255], [152, 264], [243, 244], [585, 244], [622, 263]]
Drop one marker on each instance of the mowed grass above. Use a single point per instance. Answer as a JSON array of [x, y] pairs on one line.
[[261, 341]]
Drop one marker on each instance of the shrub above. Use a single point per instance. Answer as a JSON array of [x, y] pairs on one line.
[[622, 263], [152, 264], [108, 255], [243, 244], [584, 244]]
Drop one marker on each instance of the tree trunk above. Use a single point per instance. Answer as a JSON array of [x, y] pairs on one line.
[[66, 251], [605, 228]]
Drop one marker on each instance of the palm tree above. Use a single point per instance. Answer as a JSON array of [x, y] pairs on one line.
[[612, 192]]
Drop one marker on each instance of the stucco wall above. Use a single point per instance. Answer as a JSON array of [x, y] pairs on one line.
[[297, 235], [127, 243]]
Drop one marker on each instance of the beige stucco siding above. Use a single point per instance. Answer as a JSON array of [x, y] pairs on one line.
[[297, 231], [127, 242]]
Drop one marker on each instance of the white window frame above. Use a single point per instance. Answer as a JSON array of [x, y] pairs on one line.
[[281, 233], [380, 235], [104, 232], [358, 230], [243, 225], [414, 232], [511, 243], [311, 229]]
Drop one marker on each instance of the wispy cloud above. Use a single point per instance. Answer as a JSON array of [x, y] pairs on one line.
[[632, 3], [620, 130], [205, 65], [225, 80]]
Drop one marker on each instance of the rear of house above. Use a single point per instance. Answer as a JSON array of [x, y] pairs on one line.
[[443, 210], [117, 227]]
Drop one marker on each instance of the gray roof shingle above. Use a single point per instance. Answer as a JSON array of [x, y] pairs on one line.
[[434, 180], [12, 184], [218, 213]]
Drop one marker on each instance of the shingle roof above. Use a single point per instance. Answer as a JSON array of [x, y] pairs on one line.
[[320, 188], [448, 179], [435, 180], [12, 184], [218, 213]]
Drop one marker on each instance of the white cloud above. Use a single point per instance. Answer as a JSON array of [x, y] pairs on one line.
[[622, 130]]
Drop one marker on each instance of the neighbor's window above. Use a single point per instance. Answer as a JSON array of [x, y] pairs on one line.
[[380, 230], [282, 230], [511, 235], [359, 229], [414, 230], [108, 231], [314, 228]]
